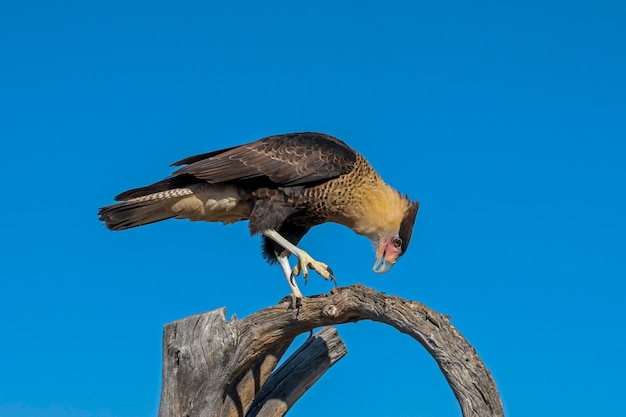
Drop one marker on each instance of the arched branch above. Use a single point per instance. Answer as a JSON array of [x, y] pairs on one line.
[[206, 357]]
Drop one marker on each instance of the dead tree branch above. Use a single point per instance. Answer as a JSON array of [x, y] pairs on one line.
[[212, 367], [299, 372]]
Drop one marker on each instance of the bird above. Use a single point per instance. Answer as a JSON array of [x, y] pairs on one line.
[[283, 185]]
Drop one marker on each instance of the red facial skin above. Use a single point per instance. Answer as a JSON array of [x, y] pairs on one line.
[[387, 253]]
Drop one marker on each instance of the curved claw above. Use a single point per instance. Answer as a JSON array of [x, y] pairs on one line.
[[292, 278], [332, 276], [296, 271]]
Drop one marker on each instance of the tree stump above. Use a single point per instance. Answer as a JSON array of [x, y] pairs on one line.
[[219, 368]]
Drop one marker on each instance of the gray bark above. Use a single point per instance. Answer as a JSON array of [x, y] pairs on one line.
[[212, 367], [294, 377]]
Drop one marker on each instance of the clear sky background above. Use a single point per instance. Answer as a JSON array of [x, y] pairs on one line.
[[506, 120]]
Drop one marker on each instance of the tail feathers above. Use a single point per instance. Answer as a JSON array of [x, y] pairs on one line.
[[135, 213], [168, 184]]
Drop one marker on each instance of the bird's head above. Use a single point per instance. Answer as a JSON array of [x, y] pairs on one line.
[[391, 245]]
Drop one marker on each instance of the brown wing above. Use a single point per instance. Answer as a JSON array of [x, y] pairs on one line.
[[286, 160]]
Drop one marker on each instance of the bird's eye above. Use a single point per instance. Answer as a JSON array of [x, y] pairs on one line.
[[397, 242]]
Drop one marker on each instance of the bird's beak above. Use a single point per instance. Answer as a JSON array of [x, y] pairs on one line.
[[382, 265], [385, 258]]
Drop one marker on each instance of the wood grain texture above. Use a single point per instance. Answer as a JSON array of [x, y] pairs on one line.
[[298, 373], [205, 357]]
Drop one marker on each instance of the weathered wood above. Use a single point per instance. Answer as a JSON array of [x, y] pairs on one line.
[[205, 357], [298, 373], [200, 372]]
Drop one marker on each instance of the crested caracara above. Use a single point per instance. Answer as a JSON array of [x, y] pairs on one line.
[[283, 185]]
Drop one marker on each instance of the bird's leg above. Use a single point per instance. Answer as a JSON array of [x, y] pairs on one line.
[[305, 260], [295, 291]]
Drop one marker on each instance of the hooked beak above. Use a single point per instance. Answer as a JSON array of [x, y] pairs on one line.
[[385, 258], [382, 265]]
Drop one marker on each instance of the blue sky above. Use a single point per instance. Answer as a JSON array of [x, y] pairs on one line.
[[505, 120]]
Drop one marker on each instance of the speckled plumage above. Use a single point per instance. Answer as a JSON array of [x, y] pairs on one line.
[[288, 183]]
